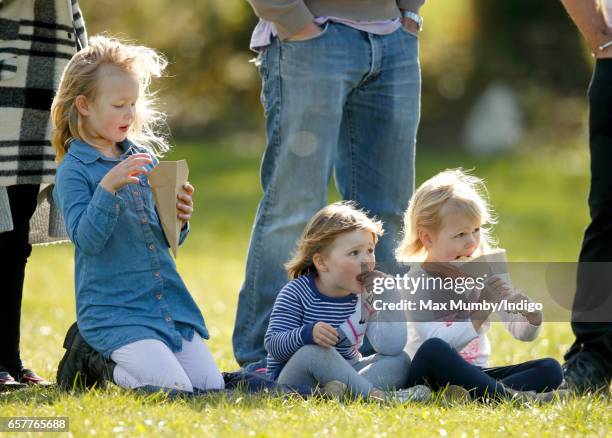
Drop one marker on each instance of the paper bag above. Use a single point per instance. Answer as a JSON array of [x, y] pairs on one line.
[[492, 263], [166, 182]]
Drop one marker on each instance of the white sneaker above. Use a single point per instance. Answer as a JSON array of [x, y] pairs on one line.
[[417, 393]]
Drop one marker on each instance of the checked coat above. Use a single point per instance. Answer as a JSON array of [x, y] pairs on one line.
[[37, 39]]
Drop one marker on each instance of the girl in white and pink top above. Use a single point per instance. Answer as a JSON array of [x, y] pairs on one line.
[[472, 344], [447, 220]]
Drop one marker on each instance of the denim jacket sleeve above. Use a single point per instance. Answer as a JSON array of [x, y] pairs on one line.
[[89, 218]]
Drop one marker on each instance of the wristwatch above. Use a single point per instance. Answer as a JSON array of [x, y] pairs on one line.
[[414, 17]]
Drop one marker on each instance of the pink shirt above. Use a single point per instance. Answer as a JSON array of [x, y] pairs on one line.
[[265, 30]]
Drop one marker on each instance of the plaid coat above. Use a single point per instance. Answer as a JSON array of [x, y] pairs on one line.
[[37, 39]]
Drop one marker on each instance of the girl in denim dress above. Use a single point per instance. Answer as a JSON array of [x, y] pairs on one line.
[[132, 305]]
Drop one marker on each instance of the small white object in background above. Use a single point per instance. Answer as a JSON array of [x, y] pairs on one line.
[[494, 124]]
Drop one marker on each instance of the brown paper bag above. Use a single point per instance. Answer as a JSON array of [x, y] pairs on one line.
[[166, 182], [492, 263]]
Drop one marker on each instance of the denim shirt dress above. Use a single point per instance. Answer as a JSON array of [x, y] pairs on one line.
[[126, 282]]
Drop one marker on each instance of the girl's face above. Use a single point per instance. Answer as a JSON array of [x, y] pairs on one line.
[[339, 268], [108, 118], [458, 236]]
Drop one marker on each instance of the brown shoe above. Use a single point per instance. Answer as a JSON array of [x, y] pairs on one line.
[[454, 394], [334, 389], [377, 395]]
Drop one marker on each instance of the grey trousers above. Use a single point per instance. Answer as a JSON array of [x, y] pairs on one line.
[[314, 365]]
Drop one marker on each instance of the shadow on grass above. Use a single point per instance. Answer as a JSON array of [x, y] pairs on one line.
[[215, 399], [242, 400], [33, 395]]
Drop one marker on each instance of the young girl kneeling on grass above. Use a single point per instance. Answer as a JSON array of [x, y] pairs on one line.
[[132, 305], [446, 221], [317, 325]]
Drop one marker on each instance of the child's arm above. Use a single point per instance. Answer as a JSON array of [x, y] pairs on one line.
[[387, 330], [287, 332], [520, 328], [523, 326], [89, 218]]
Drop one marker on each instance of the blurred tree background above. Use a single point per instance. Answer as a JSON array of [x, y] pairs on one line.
[[529, 49]]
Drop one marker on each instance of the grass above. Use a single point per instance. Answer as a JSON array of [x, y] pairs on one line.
[[541, 204]]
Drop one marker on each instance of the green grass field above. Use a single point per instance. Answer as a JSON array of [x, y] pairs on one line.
[[540, 198]]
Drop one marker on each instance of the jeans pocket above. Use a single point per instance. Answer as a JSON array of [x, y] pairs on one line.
[[407, 32], [309, 40]]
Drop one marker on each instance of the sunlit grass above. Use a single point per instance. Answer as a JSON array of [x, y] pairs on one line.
[[542, 213]]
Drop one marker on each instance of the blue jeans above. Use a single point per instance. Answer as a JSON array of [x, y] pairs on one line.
[[347, 102]]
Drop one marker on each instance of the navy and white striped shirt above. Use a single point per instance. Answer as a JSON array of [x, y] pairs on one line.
[[300, 305]]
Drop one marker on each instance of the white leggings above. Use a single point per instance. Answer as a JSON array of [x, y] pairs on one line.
[[151, 363]]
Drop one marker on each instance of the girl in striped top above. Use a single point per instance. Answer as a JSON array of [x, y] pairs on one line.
[[319, 320]]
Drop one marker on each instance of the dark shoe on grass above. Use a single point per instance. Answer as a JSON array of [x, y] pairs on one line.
[[82, 367], [533, 397], [558, 395], [584, 375]]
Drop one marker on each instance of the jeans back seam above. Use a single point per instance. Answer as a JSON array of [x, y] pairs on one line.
[[270, 192]]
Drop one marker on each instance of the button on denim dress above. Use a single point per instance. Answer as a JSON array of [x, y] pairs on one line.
[[126, 282]]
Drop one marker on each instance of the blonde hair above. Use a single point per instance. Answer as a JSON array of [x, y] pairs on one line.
[[321, 231], [457, 189], [80, 77]]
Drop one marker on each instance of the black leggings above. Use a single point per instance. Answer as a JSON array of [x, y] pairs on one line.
[[437, 365], [15, 251]]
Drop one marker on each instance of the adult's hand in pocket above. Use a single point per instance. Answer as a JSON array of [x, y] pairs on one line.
[[410, 25], [310, 31]]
